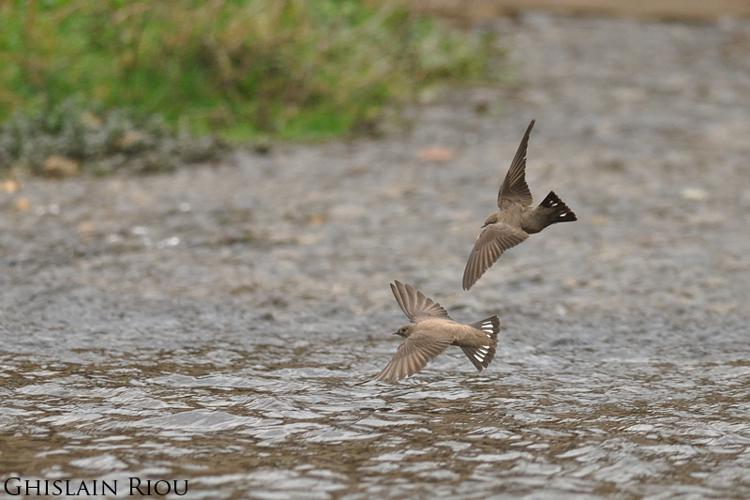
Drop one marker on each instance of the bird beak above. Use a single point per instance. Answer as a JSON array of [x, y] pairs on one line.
[[394, 333]]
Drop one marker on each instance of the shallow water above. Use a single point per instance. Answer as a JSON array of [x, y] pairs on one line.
[[278, 421]]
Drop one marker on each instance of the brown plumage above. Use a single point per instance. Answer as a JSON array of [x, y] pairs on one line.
[[431, 331], [515, 218]]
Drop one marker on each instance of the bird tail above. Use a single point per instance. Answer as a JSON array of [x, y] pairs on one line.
[[555, 210], [482, 356]]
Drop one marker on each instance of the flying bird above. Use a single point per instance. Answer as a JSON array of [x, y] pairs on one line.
[[515, 218], [431, 331]]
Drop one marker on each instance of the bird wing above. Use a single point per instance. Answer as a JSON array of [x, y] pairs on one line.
[[514, 188], [414, 304], [490, 245], [413, 354]]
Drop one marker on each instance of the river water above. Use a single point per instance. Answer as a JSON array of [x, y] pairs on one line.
[[279, 421], [220, 325]]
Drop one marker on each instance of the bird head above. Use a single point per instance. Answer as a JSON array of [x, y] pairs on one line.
[[404, 331], [491, 219]]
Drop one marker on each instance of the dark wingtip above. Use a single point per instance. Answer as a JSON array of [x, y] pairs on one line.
[[467, 283], [469, 278]]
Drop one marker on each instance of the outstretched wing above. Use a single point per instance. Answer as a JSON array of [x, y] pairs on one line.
[[412, 355], [514, 188], [490, 245], [414, 304]]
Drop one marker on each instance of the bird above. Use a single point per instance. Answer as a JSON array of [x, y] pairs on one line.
[[515, 218], [431, 331]]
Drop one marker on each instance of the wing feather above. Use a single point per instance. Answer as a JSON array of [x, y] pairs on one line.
[[415, 305], [412, 355], [514, 188], [490, 245]]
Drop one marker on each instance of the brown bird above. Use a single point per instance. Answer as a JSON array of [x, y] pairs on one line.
[[431, 331], [515, 220]]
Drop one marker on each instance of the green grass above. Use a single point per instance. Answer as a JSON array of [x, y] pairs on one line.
[[240, 69]]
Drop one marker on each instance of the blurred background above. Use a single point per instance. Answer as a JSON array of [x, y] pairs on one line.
[[95, 80], [203, 202]]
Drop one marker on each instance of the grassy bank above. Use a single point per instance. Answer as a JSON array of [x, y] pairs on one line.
[[289, 69]]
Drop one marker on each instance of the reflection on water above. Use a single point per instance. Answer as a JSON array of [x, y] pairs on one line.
[[233, 424]]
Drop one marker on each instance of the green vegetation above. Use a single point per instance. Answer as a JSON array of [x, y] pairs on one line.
[[64, 139], [240, 69]]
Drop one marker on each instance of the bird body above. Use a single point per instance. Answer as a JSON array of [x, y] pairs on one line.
[[457, 334], [531, 220], [515, 218], [431, 331]]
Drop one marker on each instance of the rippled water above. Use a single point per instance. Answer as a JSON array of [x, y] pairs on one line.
[[267, 423]]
